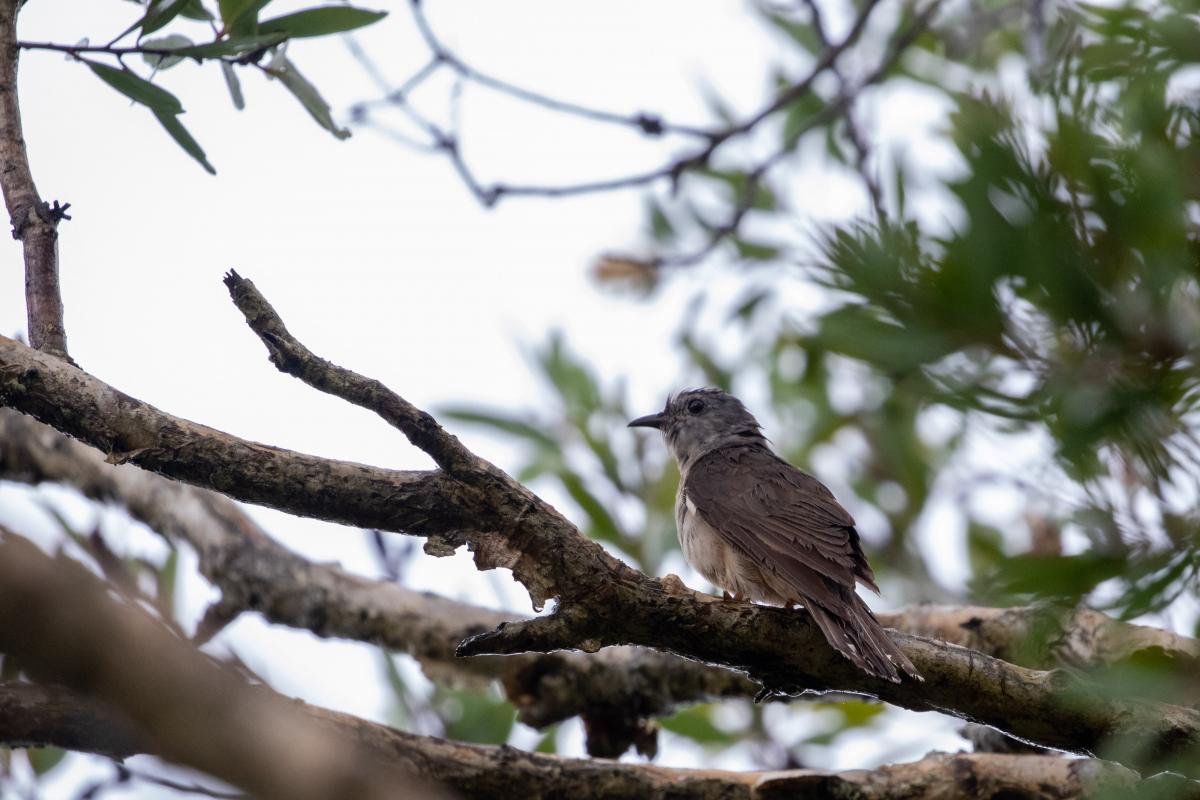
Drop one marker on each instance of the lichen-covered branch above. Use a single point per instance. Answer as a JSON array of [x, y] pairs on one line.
[[34, 222], [60, 625], [617, 691], [602, 602], [128, 430], [484, 772]]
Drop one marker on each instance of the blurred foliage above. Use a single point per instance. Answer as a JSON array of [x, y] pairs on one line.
[[1035, 335], [1011, 377]]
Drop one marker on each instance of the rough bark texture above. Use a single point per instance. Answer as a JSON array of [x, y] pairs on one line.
[[479, 771], [34, 222], [32, 715], [616, 691], [602, 602], [60, 625]]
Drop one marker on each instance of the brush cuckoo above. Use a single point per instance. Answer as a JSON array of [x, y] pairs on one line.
[[763, 530]]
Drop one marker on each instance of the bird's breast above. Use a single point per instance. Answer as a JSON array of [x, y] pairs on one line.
[[702, 546]]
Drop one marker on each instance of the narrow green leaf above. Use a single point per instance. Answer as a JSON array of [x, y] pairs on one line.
[[44, 759], [194, 9], [240, 17], [234, 85], [696, 724], [137, 88], [184, 139], [174, 41], [150, 21], [232, 10], [755, 251], [660, 224], [233, 46], [502, 422], [309, 97], [320, 21]]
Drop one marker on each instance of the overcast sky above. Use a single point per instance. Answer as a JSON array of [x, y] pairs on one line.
[[377, 258]]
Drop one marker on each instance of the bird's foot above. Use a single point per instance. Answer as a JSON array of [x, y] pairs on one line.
[[672, 584]]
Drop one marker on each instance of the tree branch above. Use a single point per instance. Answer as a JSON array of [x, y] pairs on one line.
[[602, 602], [34, 222], [480, 771], [293, 358], [60, 624], [616, 690]]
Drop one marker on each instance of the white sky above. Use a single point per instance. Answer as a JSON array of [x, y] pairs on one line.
[[379, 259]]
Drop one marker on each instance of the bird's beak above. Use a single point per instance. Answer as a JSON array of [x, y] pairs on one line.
[[648, 421]]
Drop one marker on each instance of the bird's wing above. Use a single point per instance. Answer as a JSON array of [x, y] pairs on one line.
[[784, 519]]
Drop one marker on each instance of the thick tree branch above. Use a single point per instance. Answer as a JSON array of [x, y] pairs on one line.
[[602, 601], [500, 772], [60, 624], [616, 690], [128, 430], [34, 222]]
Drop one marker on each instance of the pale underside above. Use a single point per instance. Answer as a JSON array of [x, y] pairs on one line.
[[722, 565]]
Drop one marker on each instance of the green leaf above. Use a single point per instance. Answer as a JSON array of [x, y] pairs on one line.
[[696, 724], [472, 716], [801, 33], [167, 578], [1069, 577], [501, 422], [157, 15], [660, 224], [308, 96], [755, 251], [234, 86], [137, 88], [549, 741], [184, 139], [44, 759], [174, 41], [233, 46], [603, 525], [240, 17], [320, 21], [194, 9]]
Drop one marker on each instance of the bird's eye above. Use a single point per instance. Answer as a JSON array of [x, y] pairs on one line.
[[695, 406]]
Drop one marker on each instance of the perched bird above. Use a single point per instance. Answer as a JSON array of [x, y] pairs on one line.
[[761, 529]]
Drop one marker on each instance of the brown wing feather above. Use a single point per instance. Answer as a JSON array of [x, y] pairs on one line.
[[789, 523], [781, 517]]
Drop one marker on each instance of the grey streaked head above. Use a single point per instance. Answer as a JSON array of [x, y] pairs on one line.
[[698, 421]]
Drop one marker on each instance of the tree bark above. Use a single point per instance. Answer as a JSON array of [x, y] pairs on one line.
[[34, 222], [38, 715], [602, 602], [59, 624]]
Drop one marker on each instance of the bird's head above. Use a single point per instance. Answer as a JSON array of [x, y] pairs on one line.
[[697, 421]]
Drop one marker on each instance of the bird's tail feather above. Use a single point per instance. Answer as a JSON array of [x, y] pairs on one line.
[[863, 641]]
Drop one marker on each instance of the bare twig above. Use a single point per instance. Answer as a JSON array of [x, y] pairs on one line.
[[489, 194], [648, 124], [251, 58], [857, 139], [295, 359], [34, 222]]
